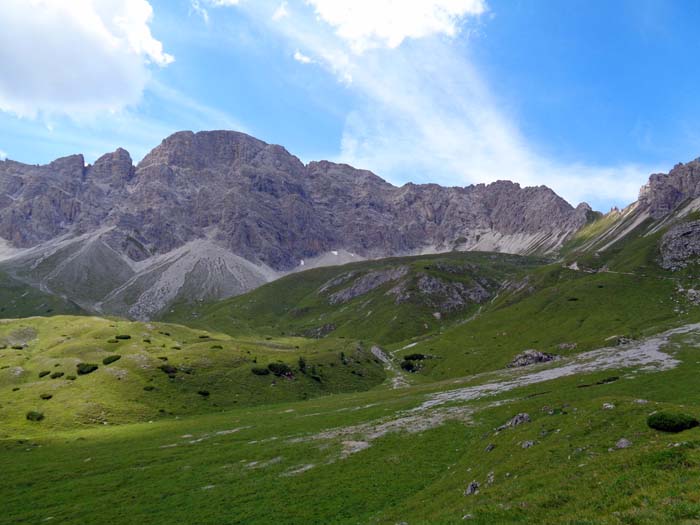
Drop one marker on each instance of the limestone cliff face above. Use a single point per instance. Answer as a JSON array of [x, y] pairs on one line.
[[262, 205], [665, 192]]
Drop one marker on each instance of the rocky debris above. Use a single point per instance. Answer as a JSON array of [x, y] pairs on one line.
[[367, 283], [567, 346], [515, 421], [472, 489], [490, 478], [320, 332], [641, 401], [531, 357], [623, 443], [489, 447], [527, 444], [680, 246]]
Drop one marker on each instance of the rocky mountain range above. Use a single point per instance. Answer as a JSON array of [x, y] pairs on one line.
[[213, 214]]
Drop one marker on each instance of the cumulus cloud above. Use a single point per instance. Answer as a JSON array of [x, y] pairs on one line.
[[368, 24], [77, 57], [301, 57]]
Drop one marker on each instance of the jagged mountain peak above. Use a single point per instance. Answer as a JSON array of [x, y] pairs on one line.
[[257, 202]]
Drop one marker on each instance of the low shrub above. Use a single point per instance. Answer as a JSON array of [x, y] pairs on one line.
[[149, 388], [71, 378], [415, 357], [46, 397], [18, 347], [112, 341], [169, 369], [671, 421], [44, 373], [280, 369], [122, 336], [203, 393], [35, 416], [205, 337], [258, 371], [146, 340], [86, 368], [410, 366], [56, 375], [111, 359], [216, 347]]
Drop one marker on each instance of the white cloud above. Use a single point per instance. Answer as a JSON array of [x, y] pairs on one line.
[[368, 24], [281, 12], [3, 155], [300, 57], [77, 57], [197, 8]]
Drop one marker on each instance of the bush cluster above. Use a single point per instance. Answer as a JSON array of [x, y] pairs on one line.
[[35, 416], [671, 421], [111, 359], [259, 371], [280, 369], [86, 368]]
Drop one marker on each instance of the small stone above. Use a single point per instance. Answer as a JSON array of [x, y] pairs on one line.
[[516, 420], [472, 488], [490, 478], [527, 444], [623, 443], [608, 406], [490, 447]]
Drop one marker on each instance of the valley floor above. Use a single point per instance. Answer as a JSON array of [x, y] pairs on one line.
[[422, 453]]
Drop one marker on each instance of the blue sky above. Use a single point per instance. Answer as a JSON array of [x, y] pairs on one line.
[[587, 97]]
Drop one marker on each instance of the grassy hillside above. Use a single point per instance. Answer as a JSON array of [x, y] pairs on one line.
[[394, 310], [21, 300], [389, 456], [159, 371]]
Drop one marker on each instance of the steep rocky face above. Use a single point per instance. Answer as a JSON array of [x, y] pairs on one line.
[[665, 192], [256, 202]]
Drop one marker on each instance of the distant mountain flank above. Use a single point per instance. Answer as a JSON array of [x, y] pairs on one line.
[[217, 213]]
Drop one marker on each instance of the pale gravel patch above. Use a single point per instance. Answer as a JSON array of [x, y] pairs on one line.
[[298, 470], [644, 355], [263, 464]]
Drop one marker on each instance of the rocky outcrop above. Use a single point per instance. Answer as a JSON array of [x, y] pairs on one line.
[[680, 246], [368, 282], [531, 357], [665, 192]]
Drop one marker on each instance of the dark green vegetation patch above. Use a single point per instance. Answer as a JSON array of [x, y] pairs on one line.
[[111, 359], [86, 368], [671, 421]]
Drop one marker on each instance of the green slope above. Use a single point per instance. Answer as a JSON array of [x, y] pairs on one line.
[[377, 457], [21, 300], [163, 371], [299, 304]]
